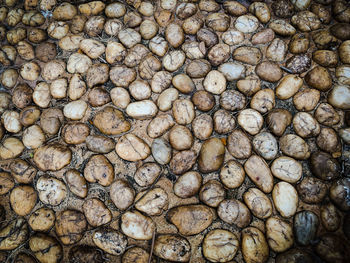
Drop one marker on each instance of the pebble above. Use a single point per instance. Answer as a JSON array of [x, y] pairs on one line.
[[288, 86], [13, 234], [279, 234], [183, 161], [99, 169], [96, 212], [220, 245], [58, 154], [122, 194], [99, 144], [281, 27], [166, 99], [111, 121], [269, 71], [285, 198], [259, 172], [190, 219], [265, 144], [342, 74], [232, 37], [70, 226], [339, 97], [305, 227], [254, 246], [23, 199], [160, 125], [147, 174], [233, 211], [250, 120], [258, 203], [247, 23], [132, 148], [45, 248], [301, 4], [42, 219], [211, 155], [215, 82], [287, 169], [319, 78], [263, 37], [172, 248], [75, 110], [294, 146], [141, 110], [161, 151], [232, 174], [51, 190], [183, 111], [137, 226], [110, 241], [188, 184], [153, 203], [232, 71]]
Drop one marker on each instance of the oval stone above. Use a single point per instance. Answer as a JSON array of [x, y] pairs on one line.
[[132, 148], [112, 242], [190, 219], [141, 110], [137, 226], [305, 227], [110, 121], [172, 248], [211, 155], [52, 157]]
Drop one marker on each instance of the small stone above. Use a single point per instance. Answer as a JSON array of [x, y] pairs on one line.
[[263, 37], [111, 121], [75, 110], [96, 212], [339, 97], [137, 226], [45, 248], [188, 184], [220, 245], [173, 248], [298, 64], [132, 148], [232, 71], [51, 190], [254, 246], [183, 161], [211, 155], [285, 198], [70, 226], [161, 151], [110, 241], [154, 202], [52, 157], [141, 110], [215, 82], [160, 125], [190, 219], [305, 227], [247, 23], [269, 71], [259, 172], [13, 234]]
